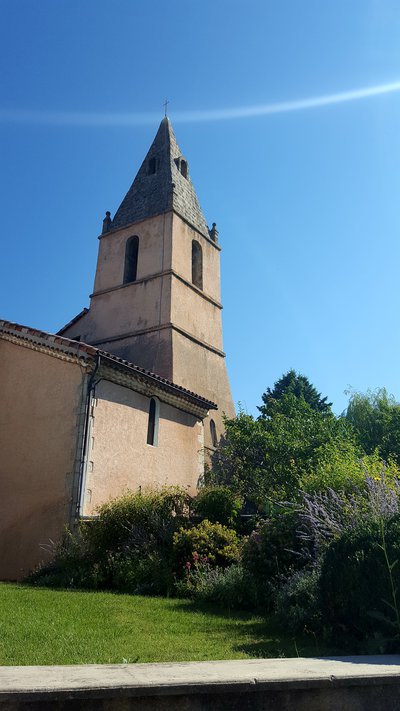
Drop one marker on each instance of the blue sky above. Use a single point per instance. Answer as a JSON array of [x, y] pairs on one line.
[[306, 201]]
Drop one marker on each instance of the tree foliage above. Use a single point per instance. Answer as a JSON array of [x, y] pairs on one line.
[[292, 383], [375, 417], [272, 458]]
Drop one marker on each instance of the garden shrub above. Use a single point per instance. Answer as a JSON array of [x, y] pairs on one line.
[[128, 547], [138, 519], [360, 575], [148, 574], [272, 552], [326, 515], [73, 564], [297, 602], [215, 544], [231, 587], [217, 504]]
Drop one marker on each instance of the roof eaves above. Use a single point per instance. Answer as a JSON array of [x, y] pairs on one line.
[[83, 350], [162, 383]]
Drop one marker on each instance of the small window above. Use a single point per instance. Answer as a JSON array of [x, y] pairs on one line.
[[197, 264], [184, 168], [131, 259], [152, 427], [152, 166], [213, 430]]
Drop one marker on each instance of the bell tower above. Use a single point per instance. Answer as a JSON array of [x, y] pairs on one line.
[[156, 298]]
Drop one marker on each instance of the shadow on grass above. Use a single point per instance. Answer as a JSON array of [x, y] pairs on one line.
[[257, 634], [181, 604], [266, 638]]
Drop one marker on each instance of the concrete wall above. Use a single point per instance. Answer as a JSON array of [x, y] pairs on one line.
[[120, 458], [341, 684], [41, 412]]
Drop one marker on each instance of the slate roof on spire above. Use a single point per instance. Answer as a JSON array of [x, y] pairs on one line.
[[161, 185]]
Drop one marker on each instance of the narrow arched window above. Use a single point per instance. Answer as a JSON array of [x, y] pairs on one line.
[[184, 170], [213, 431], [197, 264], [152, 426], [131, 259], [152, 166]]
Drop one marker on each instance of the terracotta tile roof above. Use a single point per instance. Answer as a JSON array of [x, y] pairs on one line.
[[86, 351]]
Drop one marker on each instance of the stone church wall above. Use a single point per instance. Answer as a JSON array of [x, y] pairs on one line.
[[120, 459], [41, 421]]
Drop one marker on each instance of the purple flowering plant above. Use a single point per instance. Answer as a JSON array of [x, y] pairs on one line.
[[326, 515]]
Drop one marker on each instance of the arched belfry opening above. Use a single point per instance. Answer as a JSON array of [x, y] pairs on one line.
[[131, 259], [184, 168], [197, 264], [152, 166]]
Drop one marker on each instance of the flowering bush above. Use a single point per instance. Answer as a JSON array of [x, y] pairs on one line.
[[325, 516], [211, 542], [272, 552], [350, 571]]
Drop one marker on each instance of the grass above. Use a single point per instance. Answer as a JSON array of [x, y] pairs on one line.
[[42, 626]]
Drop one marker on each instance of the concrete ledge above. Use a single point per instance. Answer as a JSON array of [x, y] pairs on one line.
[[338, 684]]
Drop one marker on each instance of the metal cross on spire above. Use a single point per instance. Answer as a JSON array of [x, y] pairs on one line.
[[166, 102]]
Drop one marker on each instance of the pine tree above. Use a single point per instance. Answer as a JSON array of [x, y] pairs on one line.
[[292, 383]]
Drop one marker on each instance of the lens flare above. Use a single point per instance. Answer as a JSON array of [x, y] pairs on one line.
[[82, 119]]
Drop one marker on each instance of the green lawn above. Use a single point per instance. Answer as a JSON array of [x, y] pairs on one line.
[[41, 626]]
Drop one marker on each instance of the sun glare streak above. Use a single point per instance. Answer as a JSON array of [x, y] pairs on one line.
[[287, 106], [82, 119]]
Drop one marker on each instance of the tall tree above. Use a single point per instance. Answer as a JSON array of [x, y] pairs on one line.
[[272, 458], [292, 383]]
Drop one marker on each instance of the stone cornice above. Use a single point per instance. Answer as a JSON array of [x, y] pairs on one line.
[[165, 212], [161, 327], [166, 272]]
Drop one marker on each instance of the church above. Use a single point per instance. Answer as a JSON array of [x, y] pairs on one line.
[[131, 393]]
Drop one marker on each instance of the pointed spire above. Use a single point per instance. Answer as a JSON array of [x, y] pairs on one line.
[[162, 184]]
